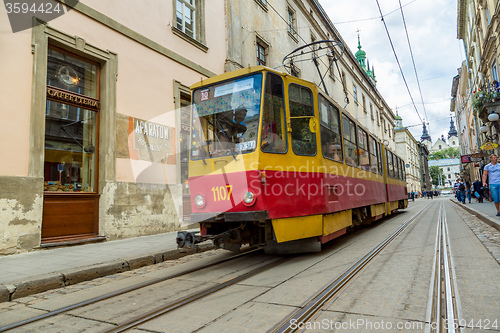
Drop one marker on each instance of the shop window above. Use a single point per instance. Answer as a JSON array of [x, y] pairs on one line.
[[273, 123], [71, 122], [350, 145], [331, 139], [301, 112]]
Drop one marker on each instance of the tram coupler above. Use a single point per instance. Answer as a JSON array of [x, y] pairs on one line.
[[187, 239]]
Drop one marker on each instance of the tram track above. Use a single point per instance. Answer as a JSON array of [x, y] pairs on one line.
[[443, 309], [312, 307], [120, 292], [329, 293]]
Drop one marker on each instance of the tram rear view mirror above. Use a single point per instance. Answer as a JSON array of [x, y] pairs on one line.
[[313, 125]]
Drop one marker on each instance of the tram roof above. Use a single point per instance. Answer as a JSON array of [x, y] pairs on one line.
[[236, 73]]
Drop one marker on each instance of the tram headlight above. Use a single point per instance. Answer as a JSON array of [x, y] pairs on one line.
[[249, 198], [199, 201]]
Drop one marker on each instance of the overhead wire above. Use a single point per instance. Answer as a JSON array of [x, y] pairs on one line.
[[413, 59], [399, 64]]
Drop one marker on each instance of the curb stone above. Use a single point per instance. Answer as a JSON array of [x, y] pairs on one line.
[[486, 219], [35, 285]]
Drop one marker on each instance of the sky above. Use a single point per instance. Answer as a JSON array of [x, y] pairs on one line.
[[437, 53]]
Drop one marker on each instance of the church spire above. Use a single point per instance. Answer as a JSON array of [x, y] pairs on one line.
[[361, 58], [453, 130], [425, 135], [361, 55]]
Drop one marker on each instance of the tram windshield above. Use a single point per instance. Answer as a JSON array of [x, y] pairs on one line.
[[226, 117]]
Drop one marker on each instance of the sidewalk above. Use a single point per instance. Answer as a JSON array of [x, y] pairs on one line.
[[30, 273], [485, 211]]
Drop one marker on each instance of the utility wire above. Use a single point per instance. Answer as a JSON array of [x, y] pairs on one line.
[[399, 64], [413, 59], [374, 18]]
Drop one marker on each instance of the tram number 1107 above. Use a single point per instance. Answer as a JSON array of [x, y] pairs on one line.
[[222, 193]]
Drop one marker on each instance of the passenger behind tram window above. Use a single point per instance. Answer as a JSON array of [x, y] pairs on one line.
[[333, 150]]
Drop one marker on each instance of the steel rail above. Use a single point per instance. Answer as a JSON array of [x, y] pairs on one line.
[[119, 292], [443, 303], [161, 310], [317, 301]]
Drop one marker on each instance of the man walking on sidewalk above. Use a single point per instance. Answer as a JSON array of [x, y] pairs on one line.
[[492, 171]]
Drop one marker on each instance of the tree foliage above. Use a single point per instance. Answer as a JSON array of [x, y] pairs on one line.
[[445, 153], [436, 174]]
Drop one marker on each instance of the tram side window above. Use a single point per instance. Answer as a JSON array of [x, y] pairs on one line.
[[330, 130], [403, 167], [351, 148], [380, 159], [364, 157], [400, 172], [273, 123], [301, 111], [397, 168], [372, 144], [390, 168]]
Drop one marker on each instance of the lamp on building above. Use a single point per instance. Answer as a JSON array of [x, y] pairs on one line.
[[493, 121]]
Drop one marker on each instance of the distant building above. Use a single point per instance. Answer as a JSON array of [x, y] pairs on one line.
[[451, 170], [407, 148]]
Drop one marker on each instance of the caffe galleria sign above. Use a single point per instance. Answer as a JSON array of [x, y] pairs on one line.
[[64, 96]]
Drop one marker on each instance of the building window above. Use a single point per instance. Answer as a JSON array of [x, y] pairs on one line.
[[190, 21], [261, 53], [371, 112], [494, 71], [364, 104], [331, 68], [71, 118], [448, 169], [440, 147], [291, 21], [185, 11], [355, 93]]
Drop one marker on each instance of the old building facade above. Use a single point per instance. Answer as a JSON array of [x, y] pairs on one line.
[[92, 113], [474, 92], [407, 148]]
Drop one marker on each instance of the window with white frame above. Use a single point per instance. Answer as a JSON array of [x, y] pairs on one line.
[[189, 18], [185, 12]]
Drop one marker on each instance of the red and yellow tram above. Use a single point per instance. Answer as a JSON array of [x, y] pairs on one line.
[[275, 162]]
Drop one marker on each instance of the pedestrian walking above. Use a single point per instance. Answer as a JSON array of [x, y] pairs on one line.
[[468, 189], [461, 190], [478, 190], [492, 173]]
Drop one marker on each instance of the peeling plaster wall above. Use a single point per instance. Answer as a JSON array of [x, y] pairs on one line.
[[20, 214], [131, 209]]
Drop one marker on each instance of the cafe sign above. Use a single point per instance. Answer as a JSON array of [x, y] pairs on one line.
[[68, 97], [489, 146]]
